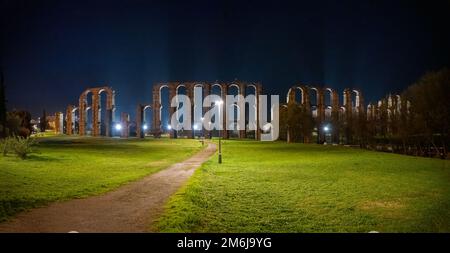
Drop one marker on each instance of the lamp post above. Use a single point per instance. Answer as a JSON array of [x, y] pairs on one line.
[[219, 103]]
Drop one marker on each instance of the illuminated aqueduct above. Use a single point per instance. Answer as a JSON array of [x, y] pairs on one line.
[[240, 88], [323, 103], [76, 117]]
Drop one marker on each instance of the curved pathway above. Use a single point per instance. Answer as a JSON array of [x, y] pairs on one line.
[[130, 208]]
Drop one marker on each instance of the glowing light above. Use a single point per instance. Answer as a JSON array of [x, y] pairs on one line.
[[169, 127], [195, 127], [326, 128], [118, 127], [145, 127]]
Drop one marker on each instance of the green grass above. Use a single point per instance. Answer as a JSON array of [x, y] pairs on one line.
[[72, 167], [279, 187]]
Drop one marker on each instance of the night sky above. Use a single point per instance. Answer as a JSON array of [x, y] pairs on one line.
[[51, 51]]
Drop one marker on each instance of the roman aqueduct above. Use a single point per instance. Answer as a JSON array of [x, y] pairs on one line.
[[323, 103]]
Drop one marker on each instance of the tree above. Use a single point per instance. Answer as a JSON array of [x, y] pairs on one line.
[[43, 122], [2, 106], [296, 123], [430, 107], [18, 123]]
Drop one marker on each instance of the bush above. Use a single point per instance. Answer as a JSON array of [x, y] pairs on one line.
[[6, 145], [23, 146], [19, 145]]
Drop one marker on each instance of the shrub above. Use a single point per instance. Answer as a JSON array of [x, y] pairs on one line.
[[6, 145], [23, 146]]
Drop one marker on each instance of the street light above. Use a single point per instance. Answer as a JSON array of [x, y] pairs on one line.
[[326, 129], [118, 127], [145, 127]]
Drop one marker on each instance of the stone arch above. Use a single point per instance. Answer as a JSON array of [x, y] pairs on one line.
[[157, 106], [292, 94], [95, 107], [198, 94], [328, 102], [314, 105], [140, 119], [327, 97], [83, 110], [109, 110], [220, 86]]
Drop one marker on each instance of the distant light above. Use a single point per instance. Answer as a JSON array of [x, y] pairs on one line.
[[118, 127], [195, 127], [169, 127], [145, 127], [326, 128]]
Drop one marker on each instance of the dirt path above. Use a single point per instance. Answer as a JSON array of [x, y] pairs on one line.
[[130, 208]]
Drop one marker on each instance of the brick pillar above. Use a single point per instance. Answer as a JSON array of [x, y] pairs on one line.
[[109, 113], [348, 102], [172, 94], [320, 105], [69, 120], [139, 119], [82, 115], [361, 103], [58, 122], [125, 122], [348, 114], [95, 113], [291, 95], [156, 107], [305, 95], [307, 105], [320, 114], [224, 111], [335, 116], [190, 95]]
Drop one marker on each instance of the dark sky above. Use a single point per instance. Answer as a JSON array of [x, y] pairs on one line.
[[51, 51]]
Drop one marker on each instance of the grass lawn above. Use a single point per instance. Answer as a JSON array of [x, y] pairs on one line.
[[279, 187], [73, 167]]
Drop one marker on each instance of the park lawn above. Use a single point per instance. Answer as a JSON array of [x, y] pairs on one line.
[[73, 167], [279, 187]]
